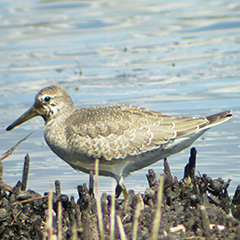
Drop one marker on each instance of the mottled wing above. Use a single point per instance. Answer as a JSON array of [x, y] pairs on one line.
[[114, 132]]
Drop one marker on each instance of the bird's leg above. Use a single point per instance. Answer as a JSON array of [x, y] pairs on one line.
[[118, 191], [120, 188], [91, 183]]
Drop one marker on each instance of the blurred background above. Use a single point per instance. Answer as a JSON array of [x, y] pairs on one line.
[[180, 58]]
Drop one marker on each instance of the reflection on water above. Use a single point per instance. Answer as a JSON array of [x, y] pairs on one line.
[[178, 58]]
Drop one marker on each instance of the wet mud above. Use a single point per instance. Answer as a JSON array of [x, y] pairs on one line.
[[195, 207]]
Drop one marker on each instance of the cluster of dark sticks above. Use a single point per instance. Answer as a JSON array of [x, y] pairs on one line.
[[196, 207]]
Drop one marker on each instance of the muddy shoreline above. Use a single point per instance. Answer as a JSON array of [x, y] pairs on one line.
[[195, 207]]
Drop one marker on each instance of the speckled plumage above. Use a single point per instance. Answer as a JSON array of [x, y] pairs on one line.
[[125, 138]]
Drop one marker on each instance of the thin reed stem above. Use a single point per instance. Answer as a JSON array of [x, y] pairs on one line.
[[112, 215], [135, 221], [60, 220], [98, 200], [158, 214], [121, 228]]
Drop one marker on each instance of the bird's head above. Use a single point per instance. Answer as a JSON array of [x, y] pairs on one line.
[[50, 103]]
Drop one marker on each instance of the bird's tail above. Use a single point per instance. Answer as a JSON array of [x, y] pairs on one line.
[[218, 118]]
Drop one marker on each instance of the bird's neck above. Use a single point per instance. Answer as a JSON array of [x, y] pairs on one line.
[[59, 117], [55, 127]]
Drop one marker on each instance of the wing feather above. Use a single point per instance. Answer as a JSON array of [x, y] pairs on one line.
[[113, 132]]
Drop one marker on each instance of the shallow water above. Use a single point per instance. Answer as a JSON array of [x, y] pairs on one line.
[[177, 58]]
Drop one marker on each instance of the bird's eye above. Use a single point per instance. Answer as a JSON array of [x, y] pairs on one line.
[[47, 99]]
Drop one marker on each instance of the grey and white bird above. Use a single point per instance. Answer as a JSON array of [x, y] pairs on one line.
[[124, 138]]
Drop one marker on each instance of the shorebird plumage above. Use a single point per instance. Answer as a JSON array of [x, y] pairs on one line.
[[125, 138]]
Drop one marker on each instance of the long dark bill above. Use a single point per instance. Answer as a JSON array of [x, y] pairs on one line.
[[31, 113]]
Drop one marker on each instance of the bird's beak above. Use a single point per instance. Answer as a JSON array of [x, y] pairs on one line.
[[31, 113]]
